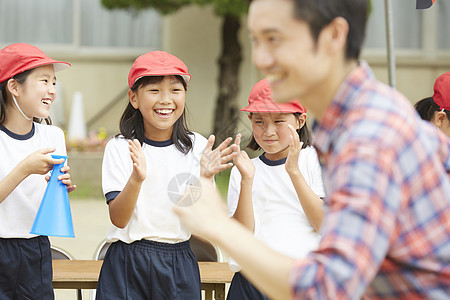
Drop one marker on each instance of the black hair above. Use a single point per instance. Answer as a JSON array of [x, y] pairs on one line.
[[20, 78], [132, 124], [303, 133], [426, 108], [319, 13]]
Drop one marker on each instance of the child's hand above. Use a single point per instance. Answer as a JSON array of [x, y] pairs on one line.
[[217, 160], [242, 161], [39, 162], [294, 152], [65, 178], [138, 158]]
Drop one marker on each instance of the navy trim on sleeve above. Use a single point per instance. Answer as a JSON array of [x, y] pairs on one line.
[[111, 195], [18, 136], [272, 163]]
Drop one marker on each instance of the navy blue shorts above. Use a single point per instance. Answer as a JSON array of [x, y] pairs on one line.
[[242, 289], [149, 270], [26, 269]]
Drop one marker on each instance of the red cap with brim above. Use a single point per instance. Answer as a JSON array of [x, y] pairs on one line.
[[157, 63], [260, 101], [441, 94], [17, 58]]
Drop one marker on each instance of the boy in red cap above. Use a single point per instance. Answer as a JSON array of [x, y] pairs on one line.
[[278, 194], [436, 109], [27, 84], [386, 229], [145, 171]]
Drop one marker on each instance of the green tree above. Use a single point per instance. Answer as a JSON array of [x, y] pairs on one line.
[[231, 11]]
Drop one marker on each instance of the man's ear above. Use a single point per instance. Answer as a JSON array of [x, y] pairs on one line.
[[334, 36], [133, 99]]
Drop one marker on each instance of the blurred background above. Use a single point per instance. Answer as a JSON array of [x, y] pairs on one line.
[[101, 39]]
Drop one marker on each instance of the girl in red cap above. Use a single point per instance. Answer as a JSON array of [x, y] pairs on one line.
[[27, 84], [145, 172], [436, 109], [276, 195]]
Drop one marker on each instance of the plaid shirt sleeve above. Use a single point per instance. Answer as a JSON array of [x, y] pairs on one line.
[[356, 234], [386, 230]]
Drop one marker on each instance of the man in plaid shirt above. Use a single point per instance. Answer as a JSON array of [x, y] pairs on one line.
[[387, 228], [386, 232]]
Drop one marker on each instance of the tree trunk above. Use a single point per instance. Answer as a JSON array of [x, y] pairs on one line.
[[226, 114]]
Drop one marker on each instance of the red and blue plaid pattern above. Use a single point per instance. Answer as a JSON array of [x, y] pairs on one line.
[[386, 234]]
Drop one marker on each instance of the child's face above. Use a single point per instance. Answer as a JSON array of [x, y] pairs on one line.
[[284, 49], [271, 132], [37, 93], [161, 104]]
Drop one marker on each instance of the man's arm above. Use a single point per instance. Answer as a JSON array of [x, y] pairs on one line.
[[265, 268]]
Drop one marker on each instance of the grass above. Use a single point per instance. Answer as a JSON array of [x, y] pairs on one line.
[[86, 190], [222, 179]]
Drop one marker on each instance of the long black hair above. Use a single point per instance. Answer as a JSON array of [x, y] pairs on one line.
[[426, 108], [132, 125], [303, 133], [20, 78]]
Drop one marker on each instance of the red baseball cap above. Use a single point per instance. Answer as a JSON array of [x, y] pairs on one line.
[[260, 100], [157, 63], [441, 94], [17, 58]]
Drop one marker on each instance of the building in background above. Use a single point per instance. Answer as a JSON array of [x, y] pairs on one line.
[[102, 45]]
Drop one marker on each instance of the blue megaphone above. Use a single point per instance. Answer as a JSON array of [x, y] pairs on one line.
[[54, 217]]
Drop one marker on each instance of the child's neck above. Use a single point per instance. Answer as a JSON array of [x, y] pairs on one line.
[[275, 156], [16, 123], [159, 136]]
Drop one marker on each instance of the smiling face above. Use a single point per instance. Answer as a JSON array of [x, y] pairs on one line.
[[272, 134], [284, 49], [161, 104], [36, 95]]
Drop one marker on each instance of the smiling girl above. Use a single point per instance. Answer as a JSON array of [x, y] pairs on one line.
[[145, 172], [276, 195], [27, 84]]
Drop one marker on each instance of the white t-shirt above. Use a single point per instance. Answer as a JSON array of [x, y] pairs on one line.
[[18, 210], [280, 221], [168, 173]]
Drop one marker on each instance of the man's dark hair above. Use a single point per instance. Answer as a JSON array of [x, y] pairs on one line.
[[319, 13]]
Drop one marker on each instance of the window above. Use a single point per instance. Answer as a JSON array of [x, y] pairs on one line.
[[80, 24], [443, 8], [423, 32], [407, 25]]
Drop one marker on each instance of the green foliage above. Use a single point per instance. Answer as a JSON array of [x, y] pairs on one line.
[[221, 7], [222, 179]]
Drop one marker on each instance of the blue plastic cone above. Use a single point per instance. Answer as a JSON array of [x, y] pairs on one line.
[[54, 217]]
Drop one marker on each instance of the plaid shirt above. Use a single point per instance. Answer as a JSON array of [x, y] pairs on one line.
[[386, 233]]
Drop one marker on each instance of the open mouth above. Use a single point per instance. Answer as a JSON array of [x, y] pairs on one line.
[[46, 102], [164, 113]]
